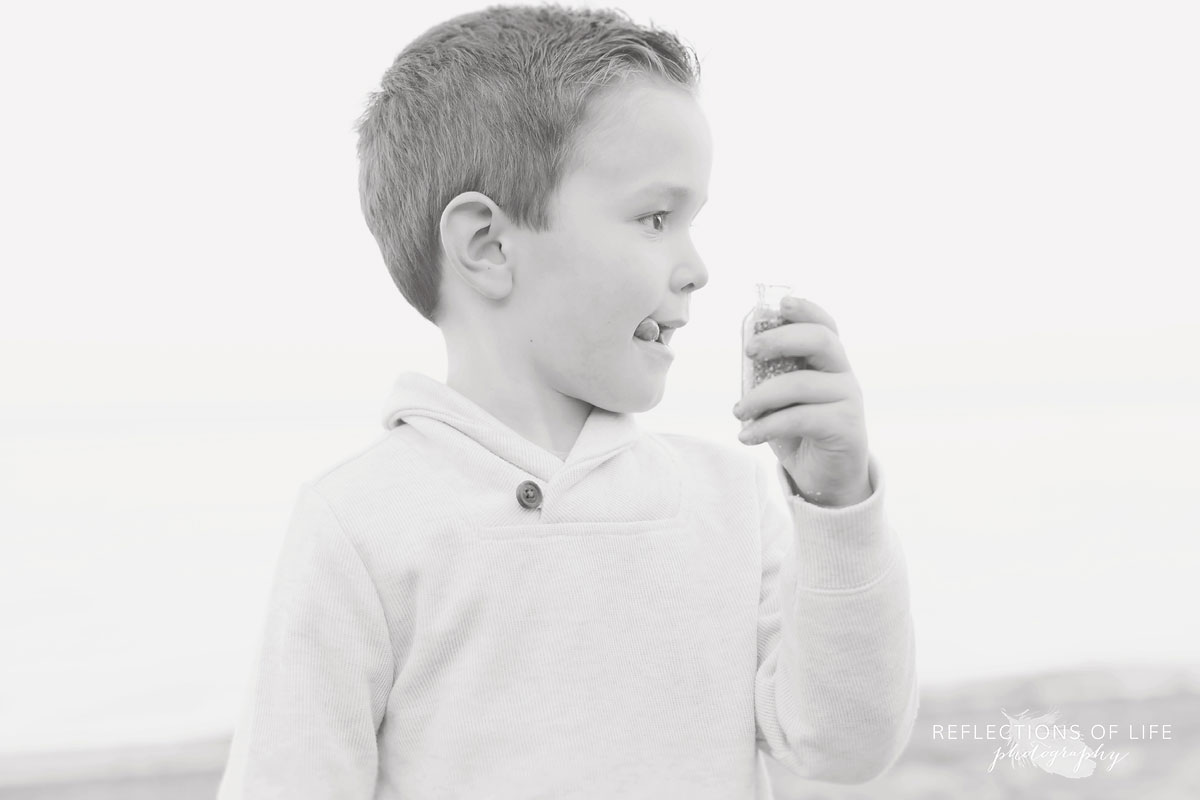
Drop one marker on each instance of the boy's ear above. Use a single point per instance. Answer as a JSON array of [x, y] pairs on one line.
[[473, 230]]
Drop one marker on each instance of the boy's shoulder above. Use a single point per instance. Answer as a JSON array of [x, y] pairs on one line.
[[388, 462], [730, 466], [717, 460], [703, 447]]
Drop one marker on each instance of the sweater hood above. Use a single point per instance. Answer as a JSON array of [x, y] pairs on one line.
[[441, 412]]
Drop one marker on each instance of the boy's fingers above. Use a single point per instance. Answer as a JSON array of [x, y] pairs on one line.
[[798, 309], [820, 422], [801, 386], [816, 342]]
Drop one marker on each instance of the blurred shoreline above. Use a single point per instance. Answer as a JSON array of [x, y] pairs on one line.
[[190, 769]]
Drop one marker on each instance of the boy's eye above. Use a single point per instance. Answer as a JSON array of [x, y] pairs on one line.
[[656, 215]]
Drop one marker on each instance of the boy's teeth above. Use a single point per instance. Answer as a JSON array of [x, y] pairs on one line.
[[647, 330]]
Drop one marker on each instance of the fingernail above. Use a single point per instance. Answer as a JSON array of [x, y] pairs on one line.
[[747, 435], [789, 303], [753, 348]]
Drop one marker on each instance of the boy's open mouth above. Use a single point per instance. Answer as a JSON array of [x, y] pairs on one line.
[[651, 330]]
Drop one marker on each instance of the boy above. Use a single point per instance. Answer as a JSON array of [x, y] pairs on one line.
[[516, 592]]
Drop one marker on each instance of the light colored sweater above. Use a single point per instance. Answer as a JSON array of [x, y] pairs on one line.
[[662, 616]]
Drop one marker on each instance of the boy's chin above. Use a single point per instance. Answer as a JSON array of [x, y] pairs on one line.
[[633, 397]]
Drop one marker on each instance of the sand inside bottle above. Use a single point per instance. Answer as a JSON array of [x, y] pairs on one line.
[[755, 371]]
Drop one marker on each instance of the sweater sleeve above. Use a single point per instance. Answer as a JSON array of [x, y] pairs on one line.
[[836, 690], [322, 675]]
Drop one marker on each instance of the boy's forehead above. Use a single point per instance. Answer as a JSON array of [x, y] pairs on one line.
[[644, 139]]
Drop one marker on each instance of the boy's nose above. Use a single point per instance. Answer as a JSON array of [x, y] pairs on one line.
[[693, 275]]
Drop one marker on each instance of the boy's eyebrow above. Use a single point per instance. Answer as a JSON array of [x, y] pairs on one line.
[[674, 191]]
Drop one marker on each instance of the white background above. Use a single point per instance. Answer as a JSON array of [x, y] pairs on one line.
[[998, 203]]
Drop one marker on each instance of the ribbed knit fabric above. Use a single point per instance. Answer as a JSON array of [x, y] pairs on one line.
[[667, 613]]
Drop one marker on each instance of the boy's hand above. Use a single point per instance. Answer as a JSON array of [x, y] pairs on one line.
[[812, 418]]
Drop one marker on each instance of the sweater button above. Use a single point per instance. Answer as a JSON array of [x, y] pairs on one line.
[[529, 494]]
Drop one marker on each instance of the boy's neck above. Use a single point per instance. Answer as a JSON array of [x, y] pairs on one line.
[[546, 417]]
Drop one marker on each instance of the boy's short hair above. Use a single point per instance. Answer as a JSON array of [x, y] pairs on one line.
[[491, 101]]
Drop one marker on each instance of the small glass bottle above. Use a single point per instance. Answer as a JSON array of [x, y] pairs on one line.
[[763, 316]]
